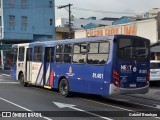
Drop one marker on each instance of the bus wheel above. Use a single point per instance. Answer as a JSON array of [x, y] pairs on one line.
[[21, 79], [64, 87]]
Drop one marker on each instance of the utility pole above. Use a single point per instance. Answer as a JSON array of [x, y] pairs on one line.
[[70, 28]]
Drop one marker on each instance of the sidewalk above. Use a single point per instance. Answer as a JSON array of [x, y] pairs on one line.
[[151, 95]]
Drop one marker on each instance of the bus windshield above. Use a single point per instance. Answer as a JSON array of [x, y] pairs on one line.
[[133, 49]]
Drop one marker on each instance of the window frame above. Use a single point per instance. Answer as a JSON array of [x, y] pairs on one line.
[[68, 53], [39, 54], [24, 20], [49, 54], [29, 54], [24, 4], [107, 53], [59, 53], [51, 22], [11, 3], [12, 21], [21, 55], [80, 53], [132, 49], [50, 4], [14, 55]]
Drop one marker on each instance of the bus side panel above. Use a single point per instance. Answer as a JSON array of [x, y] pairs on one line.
[[73, 74], [47, 73], [93, 79], [37, 73], [13, 72], [107, 78], [109, 67], [29, 71]]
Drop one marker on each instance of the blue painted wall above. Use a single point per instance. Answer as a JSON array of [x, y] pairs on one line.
[[38, 15]]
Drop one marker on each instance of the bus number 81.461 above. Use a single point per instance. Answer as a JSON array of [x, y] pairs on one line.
[[97, 75]]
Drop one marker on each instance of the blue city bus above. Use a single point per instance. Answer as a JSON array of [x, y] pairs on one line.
[[105, 65]]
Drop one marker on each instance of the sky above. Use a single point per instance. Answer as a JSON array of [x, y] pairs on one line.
[[104, 8]]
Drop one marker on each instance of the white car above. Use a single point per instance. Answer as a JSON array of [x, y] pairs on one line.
[[154, 70]]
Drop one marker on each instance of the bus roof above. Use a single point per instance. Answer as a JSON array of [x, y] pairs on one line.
[[88, 39], [54, 42], [78, 40]]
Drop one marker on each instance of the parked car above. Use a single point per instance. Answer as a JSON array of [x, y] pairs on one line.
[[154, 70]]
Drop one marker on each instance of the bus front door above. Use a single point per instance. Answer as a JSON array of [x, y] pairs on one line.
[[29, 65], [48, 67]]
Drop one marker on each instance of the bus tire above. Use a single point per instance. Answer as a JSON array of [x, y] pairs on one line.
[[21, 79], [64, 87]]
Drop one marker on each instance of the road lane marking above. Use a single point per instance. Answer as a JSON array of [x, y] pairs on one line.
[[2, 79], [119, 107], [63, 105], [1, 82], [5, 75], [106, 104], [22, 107], [153, 90]]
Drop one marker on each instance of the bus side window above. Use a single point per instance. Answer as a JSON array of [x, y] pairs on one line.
[[29, 54], [14, 56], [49, 54], [98, 52], [79, 53], [59, 53], [21, 54], [38, 53], [67, 53]]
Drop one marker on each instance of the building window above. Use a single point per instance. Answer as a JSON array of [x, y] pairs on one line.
[[51, 22], [0, 21], [0, 3], [23, 3], [11, 3], [24, 21], [50, 4], [12, 21]]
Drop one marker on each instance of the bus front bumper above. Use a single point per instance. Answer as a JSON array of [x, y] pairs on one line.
[[116, 90]]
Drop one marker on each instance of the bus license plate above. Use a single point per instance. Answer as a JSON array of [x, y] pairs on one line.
[[132, 85]]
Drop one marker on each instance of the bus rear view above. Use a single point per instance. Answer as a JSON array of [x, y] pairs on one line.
[[131, 65]]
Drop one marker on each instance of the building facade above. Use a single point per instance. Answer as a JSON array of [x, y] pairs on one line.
[[25, 21], [62, 25], [82, 22], [147, 28], [127, 19], [151, 13]]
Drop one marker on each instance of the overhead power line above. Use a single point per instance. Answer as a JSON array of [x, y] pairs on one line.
[[100, 11]]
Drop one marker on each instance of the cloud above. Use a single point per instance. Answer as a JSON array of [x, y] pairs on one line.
[[122, 6]]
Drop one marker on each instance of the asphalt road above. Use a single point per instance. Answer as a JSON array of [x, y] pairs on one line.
[[37, 103]]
